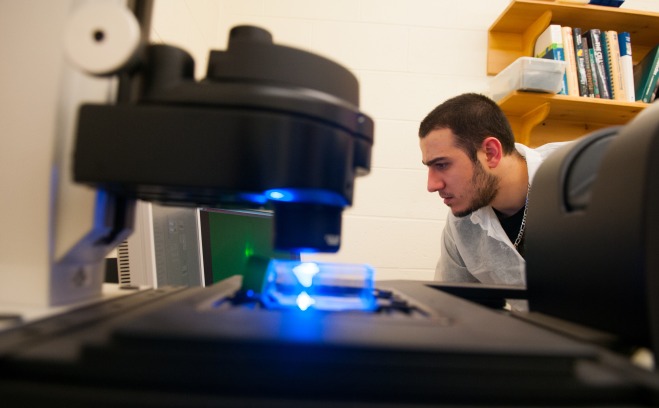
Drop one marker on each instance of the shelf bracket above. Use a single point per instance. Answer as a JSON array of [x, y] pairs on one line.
[[530, 120], [504, 47], [533, 31]]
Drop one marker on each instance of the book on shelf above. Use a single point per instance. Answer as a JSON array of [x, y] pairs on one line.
[[627, 65], [646, 75], [588, 65], [611, 56], [593, 88], [594, 42], [654, 95], [580, 62], [570, 62], [549, 45]]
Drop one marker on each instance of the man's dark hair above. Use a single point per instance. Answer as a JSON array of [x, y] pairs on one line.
[[471, 117]]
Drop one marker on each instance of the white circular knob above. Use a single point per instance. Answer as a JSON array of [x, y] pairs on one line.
[[102, 38]]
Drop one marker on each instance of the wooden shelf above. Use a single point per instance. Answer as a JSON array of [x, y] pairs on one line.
[[539, 118], [514, 33]]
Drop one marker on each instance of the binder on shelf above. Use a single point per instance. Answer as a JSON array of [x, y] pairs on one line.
[[627, 65], [549, 45], [611, 54], [646, 75], [593, 40]]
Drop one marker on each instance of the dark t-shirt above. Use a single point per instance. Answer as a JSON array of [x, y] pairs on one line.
[[511, 225]]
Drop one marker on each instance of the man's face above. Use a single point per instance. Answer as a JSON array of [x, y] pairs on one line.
[[464, 186]]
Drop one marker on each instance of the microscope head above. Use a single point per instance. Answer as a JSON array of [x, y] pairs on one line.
[[270, 127]]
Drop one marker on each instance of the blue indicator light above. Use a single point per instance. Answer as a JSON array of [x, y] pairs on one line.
[[320, 286], [280, 195], [306, 195], [276, 195]]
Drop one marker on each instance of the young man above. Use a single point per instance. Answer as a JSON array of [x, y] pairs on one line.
[[484, 177]]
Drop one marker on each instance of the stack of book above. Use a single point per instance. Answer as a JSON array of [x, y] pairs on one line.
[[599, 63]]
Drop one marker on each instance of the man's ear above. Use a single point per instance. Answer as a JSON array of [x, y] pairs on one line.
[[493, 151]]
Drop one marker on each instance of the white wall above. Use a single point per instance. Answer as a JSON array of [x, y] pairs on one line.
[[409, 56], [27, 113], [39, 96]]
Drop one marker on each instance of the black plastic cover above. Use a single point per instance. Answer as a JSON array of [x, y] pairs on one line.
[[593, 252]]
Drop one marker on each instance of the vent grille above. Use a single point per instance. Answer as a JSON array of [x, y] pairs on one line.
[[123, 265]]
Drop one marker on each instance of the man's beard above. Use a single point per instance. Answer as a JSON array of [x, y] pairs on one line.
[[486, 187]]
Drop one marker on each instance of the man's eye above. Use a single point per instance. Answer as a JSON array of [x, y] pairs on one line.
[[440, 166]]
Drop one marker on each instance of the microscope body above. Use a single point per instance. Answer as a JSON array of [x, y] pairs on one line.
[[270, 126]]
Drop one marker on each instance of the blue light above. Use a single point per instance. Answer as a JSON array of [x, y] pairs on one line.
[[254, 198], [307, 195], [304, 301], [320, 286], [305, 273], [280, 195]]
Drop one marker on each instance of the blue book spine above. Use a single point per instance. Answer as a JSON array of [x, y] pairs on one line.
[[627, 65], [625, 44]]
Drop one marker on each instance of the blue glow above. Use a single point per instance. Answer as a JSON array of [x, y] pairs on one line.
[[305, 273], [304, 301], [280, 195], [254, 198], [307, 195], [318, 285]]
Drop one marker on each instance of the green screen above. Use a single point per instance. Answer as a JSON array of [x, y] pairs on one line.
[[235, 236]]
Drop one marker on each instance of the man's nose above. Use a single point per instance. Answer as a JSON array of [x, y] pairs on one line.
[[435, 182]]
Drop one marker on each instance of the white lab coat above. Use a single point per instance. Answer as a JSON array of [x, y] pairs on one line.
[[475, 248]]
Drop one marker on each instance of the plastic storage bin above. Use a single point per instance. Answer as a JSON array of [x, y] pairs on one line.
[[528, 74]]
